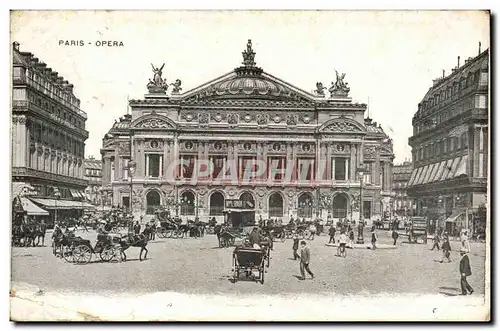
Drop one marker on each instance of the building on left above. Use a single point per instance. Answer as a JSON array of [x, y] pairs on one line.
[[48, 140]]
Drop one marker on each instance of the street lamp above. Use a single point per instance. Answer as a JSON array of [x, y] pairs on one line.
[[361, 172], [57, 195], [131, 169]]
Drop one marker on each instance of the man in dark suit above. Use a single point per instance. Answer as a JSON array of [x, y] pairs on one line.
[[305, 258], [465, 272]]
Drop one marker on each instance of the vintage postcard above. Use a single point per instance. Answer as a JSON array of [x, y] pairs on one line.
[[250, 165]]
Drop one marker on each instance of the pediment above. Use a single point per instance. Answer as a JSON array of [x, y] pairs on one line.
[[342, 125], [154, 122], [256, 85]]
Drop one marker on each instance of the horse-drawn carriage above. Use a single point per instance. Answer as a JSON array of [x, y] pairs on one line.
[[248, 260], [109, 247]]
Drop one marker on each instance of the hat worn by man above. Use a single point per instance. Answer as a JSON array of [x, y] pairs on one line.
[[463, 250], [303, 242]]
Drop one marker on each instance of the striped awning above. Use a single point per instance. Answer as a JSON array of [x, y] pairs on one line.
[[439, 171], [63, 204], [32, 209]]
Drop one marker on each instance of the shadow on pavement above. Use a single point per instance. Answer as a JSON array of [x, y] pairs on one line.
[[449, 288], [448, 294]]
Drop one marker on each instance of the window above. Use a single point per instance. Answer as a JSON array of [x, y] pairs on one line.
[[367, 209], [483, 79], [305, 169], [465, 142], [367, 176], [339, 209], [481, 101], [187, 166], [217, 163], [276, 168], [275, 205], [154, 165], [340, 168], [305, 205], [216, 204], [247, 167], [187, 203]]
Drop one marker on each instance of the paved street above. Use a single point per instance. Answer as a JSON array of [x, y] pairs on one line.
[[199, 266]]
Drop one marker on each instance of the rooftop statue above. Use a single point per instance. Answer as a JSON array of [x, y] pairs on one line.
[[158, 84], [249, 55], [339, 88], [320, 89], [177, 86]]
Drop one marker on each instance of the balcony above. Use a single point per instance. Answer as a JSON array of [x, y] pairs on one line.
[[28, 172]]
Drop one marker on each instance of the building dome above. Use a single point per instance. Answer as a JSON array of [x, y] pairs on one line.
[[250, 85]]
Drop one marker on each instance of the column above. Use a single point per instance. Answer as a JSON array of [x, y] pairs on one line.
[[161, 167], [317, 159], [352, 174], [328, 167], [346, 169], [166, 157], [295, 160], [476, 147], [137, 158], [146, 172], [361, 159], [176, 154], [377, 166]]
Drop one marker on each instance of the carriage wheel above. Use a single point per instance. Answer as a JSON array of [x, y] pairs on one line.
[[67, 253], [162, 233], [107, 253], [82, 254], [117, 254]]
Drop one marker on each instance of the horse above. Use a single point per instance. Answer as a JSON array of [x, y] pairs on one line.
[[140, 240]]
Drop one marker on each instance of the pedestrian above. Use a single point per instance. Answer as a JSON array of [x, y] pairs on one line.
[[374, 239], [312, 230], [464, 238], [305, 259], [331, 232], [295, 246], [446, 247], [137, 228], [395, 236], [436, 241], [342, 243], [465, 272], [351, 238]]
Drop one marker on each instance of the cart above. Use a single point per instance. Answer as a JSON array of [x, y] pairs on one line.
[[108, 247], [248, 260]]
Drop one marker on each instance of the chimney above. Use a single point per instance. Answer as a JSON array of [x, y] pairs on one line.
[[478, 52], [15, 44], [443, 73], [458, 62]]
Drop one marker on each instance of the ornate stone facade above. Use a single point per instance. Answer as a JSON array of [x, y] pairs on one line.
[[48, 130], [309, 146]]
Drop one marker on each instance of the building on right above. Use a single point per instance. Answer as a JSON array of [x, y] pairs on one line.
[[450, 149], [404, 206]]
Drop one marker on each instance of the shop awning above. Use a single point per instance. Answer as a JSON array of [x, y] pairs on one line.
[[439, 171], [77, 194], [32, 209], [236, 210], [453, 218], [63, 204]]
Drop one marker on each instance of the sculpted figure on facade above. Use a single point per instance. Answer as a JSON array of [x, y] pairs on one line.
[[339, 88], [355, 202], [203, 118], [261, 119], [158, 84], [320, 89], [232, 119], [291, 120], [176, 86], [249, 55]]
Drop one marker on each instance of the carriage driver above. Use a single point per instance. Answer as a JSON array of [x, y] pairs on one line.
[[102, 231]]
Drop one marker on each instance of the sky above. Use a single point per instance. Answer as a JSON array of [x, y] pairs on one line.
[[389, 58]]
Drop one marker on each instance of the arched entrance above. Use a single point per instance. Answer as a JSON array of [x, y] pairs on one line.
[[187, 203], [305, 205], [153, 201], [339, 206], [275, 205], [245, 196], [216, 204]]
